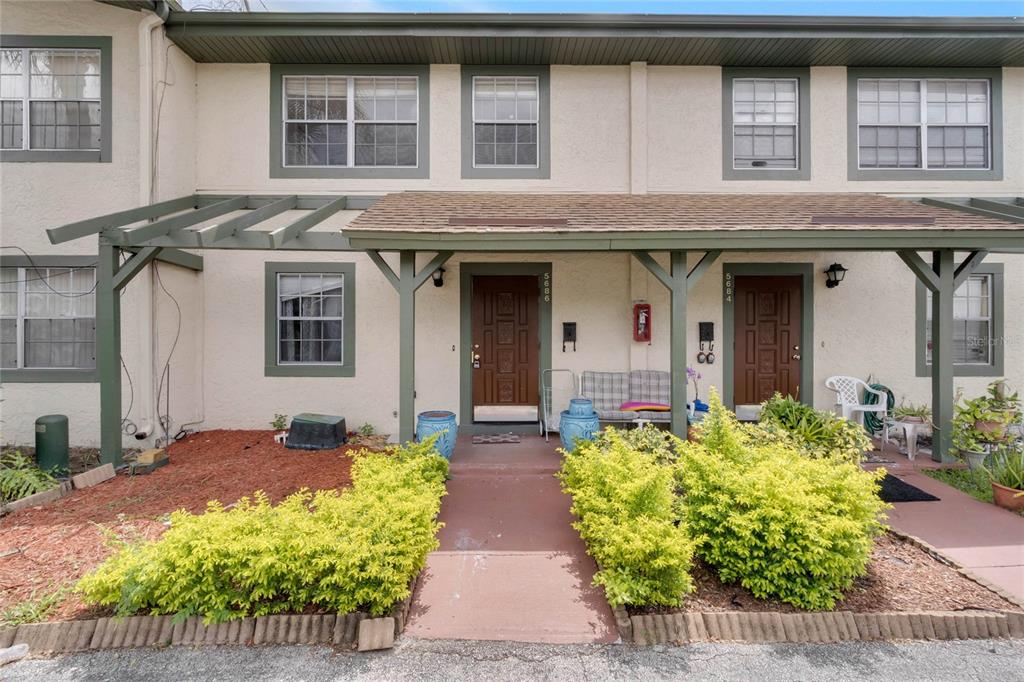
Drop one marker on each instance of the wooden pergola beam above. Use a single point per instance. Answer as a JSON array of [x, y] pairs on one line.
[[278, 237], [84, 228], [229, 228], [180, 222]]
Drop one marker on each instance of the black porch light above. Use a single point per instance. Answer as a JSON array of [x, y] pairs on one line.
[[438, 277], [835, 274]]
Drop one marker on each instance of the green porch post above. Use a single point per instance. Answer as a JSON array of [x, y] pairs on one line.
[[407, 346], [108, 353], [677, 363], [942, 353]]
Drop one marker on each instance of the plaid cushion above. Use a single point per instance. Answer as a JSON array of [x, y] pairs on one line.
[[650, 385], [608, 390]]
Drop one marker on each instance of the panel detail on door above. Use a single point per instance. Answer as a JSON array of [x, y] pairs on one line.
[[505, 324], [767, 332]]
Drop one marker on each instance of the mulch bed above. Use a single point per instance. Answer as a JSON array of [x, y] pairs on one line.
[[46, 547], [901, 577]]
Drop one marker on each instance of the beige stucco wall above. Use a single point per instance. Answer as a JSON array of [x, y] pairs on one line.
[[36, 196]]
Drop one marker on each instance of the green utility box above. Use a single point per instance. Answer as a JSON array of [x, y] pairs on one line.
[[52, 443], [316, 432]]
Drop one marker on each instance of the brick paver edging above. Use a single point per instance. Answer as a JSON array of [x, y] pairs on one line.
[[833, 626], [351, 631], [86, 479]]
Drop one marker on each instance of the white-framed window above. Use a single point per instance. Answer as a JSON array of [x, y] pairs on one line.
[[972, 322], [765, 123], [350, 121], [310, 318], [50, 99], [924, 123], [47, 317], [506, 116]]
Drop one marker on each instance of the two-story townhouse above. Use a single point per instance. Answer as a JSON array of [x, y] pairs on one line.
[[584, 193]]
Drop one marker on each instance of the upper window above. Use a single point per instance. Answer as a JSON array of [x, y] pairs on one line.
[[505, 122], [47, 318], [923, 123], [346, 122], [977, 324], [311, 319], [53, 99], [506, 112], [766, 124], [942, 124], [765, 120], [341, 121]]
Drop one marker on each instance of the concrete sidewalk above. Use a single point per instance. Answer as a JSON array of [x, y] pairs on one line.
[[981, 536], [510, 565]]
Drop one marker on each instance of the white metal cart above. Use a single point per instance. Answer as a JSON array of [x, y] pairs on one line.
[[558, 387]]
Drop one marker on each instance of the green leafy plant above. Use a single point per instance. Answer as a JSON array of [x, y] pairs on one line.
[[908, 410], [626, 509], [357, 549], [366, 430], [818, 434], [1006, 466], [280, 422], [980, 422], [20, 477], [34, 609], [783, 525]]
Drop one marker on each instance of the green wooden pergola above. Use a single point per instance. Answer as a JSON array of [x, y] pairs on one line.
[[165, 229]]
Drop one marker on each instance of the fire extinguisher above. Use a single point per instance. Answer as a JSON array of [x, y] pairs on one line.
[[642, 322]]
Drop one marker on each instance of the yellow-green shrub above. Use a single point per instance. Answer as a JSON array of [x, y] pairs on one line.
[[357, 549], [625, 503], [782, 525]]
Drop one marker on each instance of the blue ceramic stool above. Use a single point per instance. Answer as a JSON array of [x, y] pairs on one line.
[[578, 422], [438, 421]]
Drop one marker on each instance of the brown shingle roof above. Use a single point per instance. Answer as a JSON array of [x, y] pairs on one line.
[[487, 212]]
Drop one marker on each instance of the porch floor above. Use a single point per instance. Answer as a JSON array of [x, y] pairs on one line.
[[510, 565], [981, 536]]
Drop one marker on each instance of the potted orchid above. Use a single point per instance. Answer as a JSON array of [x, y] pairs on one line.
[[694, 376]]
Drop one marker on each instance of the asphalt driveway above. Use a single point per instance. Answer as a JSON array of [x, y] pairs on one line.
[[471, 660]]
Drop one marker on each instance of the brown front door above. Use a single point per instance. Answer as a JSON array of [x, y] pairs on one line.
[[506, 343], [767, 327]]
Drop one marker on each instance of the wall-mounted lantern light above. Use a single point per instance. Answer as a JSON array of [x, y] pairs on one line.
[[835, 274], [438, 277]]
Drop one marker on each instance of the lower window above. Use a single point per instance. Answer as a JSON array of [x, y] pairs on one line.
[[977, 324], [48, 318], [311, 322]]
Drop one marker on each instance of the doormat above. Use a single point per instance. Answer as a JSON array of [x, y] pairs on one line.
[[496, 439], [895, 490]]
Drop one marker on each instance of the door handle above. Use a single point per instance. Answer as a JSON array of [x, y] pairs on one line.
[[796, 356]]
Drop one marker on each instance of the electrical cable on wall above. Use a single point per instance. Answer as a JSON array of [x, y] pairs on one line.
[[165, 421]]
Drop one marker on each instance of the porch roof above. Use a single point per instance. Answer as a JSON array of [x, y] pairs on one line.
[[800, 221]]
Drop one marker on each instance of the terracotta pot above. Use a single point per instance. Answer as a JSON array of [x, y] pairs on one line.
[[990, 427], [1007, 498]]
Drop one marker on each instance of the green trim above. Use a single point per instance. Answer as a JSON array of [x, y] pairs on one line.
[[543, 169], [108, 353], [467, 271], [12, 261], [803, 169], [101, 43], [923, 369], [277, 167], [729, 273], [995, 78], [270, 366], [943, 369], [794, 239]]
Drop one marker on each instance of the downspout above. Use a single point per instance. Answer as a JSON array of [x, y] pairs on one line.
[[147, 319]]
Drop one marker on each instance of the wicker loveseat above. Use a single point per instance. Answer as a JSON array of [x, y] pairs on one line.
[[609, 390]]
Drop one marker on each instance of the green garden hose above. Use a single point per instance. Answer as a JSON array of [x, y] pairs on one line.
[[872, 420]]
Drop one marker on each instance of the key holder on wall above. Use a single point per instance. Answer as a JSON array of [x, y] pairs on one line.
[[706, 334], [569, 335]]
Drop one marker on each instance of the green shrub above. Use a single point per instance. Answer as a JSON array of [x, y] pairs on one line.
[[818, 434], [781, 524], [628, 516], [20, 477], [357, 549]]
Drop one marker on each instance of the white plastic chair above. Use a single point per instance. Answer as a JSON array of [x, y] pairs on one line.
[[848, 399]]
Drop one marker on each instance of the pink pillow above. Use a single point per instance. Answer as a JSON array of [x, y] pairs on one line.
[[636, 406]]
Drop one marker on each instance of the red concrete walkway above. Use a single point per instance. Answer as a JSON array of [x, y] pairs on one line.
[[981, 536], [510, 566]]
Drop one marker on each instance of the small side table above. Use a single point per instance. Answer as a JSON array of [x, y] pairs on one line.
[[911, 430]]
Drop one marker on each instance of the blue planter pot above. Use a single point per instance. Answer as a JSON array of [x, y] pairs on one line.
[[579, 422], [438, 421]]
